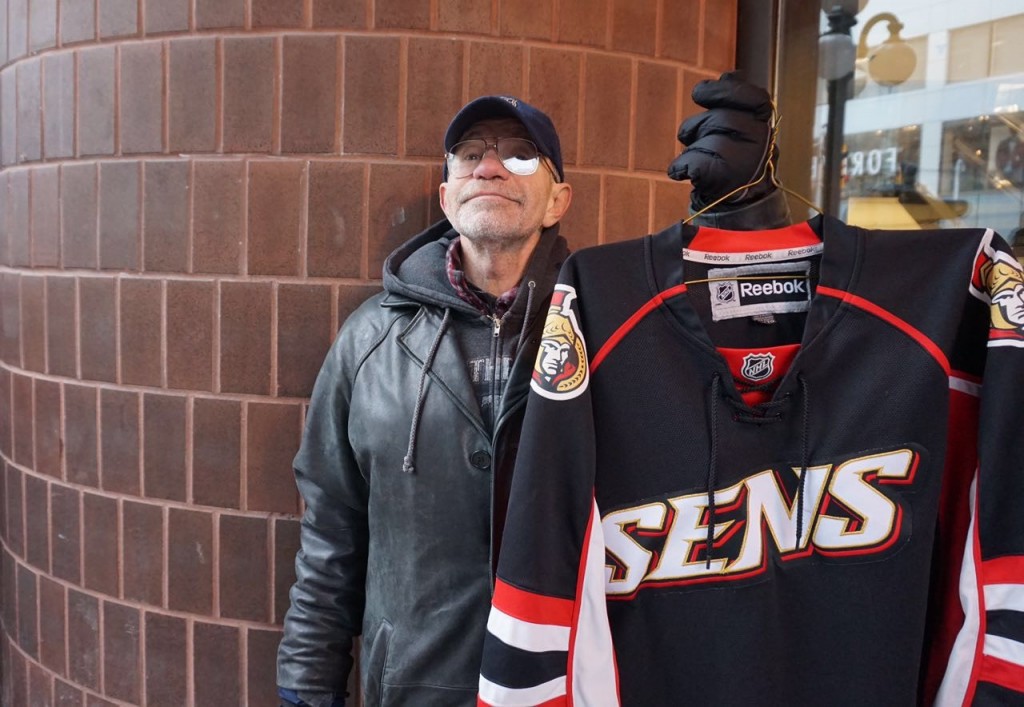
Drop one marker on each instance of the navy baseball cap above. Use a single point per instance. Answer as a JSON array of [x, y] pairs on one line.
[[536, 122]]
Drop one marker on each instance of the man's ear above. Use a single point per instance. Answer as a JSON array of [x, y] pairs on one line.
[[442, 192], [558, 203]]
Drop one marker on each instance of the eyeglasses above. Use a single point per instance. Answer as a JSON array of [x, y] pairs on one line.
[[519, 155]]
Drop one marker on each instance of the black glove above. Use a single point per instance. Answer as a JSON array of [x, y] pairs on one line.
[[727, 144]]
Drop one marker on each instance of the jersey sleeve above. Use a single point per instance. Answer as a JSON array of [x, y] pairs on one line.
[[548, 641], [986, 663]]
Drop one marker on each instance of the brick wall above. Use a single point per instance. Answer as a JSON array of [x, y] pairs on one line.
[[193, 196]]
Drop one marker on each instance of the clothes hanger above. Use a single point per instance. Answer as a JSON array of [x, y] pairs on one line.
[[768, 171]]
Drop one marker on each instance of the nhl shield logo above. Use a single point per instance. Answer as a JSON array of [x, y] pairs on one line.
[[725, 292], [758, 367]]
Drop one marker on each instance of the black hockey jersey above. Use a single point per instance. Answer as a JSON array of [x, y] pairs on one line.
[[773, 468]]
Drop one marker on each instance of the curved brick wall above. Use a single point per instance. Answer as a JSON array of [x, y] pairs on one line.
[[194, 194]]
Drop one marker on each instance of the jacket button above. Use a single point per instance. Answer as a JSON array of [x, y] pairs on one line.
[[480, 459]]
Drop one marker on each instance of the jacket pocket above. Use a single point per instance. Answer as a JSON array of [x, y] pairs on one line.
[[376, 663]]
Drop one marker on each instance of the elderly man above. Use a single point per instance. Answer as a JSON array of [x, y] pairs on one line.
[[414, 423]]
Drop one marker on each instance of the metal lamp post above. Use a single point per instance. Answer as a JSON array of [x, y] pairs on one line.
[[837, 55]]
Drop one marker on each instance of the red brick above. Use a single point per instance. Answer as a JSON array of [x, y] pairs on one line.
[[24, 414], [96, 101], [78, 215], [77, 20], [527, 20], [216, 452], [626, 208], [142, 93], [250, 71], [42, 24], [164, 454], [401, 14], [309, 111], [245, 337], [275, 204], [61, 357], [583, 22], [272, 439], [121, 669], [277, 13], [606, 111], [654, 139], [119, 422], [633, 25], [18, 218], [9, 604], [217, 216], [30, 100], [98, 331], [83, 639], [118, 18], [304, 333], [370, 110], [40, 689], [3, 37], [28, 636], [335, 219], [582, 222], [192, 95], [190, 562], [679, 27], [119, 215], [52, 620], [166, 16], [37, 527], [96, 701], [495, 69], [66, 695], [59, 105], [720, 37], [8, 120], [5, 431], [166, 671], [433, 94], [286, 545], [244, 568], [5, 244], [671, 203], [49, 444], [465, 16], [216, 672], [190, 307], [212, 14], [261, 660], [10, 314], [165, 219], [397, 209], [14, 510], [16, 673], [141, 306], [33, 323], [45, 221], [99, 523], [142, 552], [339, 13], [80, 434], [554, 87], [65, 533], [17, 28]]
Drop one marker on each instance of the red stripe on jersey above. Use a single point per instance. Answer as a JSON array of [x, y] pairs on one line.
[[887, 316], [1002, 672], [969, 377], [554, 702], [530, 607], [716, 240], [1005, 570], [635, 319], [580, 576], [979, 646]]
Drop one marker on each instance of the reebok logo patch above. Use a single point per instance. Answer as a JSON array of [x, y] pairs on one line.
[[769, 288]]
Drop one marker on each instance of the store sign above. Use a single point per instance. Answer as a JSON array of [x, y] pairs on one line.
[[879, 161]]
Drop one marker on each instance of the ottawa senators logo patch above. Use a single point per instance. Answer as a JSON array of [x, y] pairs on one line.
[[999, 276], [560, 372]]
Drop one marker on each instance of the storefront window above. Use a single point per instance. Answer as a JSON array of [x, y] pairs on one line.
[[932, 132]]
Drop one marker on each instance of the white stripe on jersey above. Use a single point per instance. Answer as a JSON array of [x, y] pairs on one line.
[[1009, 597], [1005, 649], [494, 694], [527, 636], [965, 386]]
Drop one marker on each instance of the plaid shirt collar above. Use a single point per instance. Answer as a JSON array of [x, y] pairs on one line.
[[485, 303]]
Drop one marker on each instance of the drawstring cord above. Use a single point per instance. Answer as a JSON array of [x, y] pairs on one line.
[[716, 390], [408, 463], [530, 287]]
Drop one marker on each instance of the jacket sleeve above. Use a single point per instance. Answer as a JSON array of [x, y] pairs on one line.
[[327, 599], [986, 663], [548, 640]]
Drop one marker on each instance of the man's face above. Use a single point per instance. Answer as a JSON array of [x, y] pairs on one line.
[[1011, 301], [553, 355], [495, 208]]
